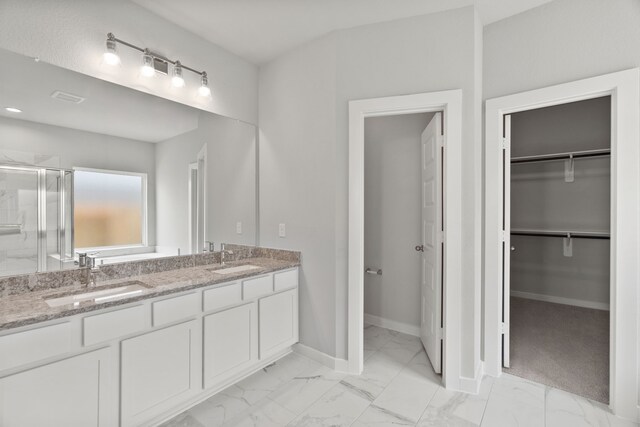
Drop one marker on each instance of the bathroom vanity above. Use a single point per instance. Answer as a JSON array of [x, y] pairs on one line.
[[184, 332]]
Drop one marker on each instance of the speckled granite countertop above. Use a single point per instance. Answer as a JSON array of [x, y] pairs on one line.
[[30, 307]]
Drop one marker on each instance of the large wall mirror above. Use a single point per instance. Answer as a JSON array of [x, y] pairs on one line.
[[91, 166]]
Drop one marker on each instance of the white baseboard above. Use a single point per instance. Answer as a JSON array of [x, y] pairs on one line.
[[339, 365], [561, 300], [472, 385], [405, 328]]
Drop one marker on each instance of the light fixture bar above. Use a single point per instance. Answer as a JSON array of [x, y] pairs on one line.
[[110, 36]]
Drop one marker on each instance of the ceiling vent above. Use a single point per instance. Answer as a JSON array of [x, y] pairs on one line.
[[67, 97]]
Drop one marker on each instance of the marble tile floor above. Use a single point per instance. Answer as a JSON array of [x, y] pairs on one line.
[[397, 388]]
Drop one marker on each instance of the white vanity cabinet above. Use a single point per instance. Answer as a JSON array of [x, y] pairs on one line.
[[230, 343], [72, 392], [141, 363], [278, 322], [158, 370]]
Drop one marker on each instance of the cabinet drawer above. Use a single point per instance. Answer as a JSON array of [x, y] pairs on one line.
[[33, 345], [174, 309], [285, 280], [224, 296], [257, 287], [107, 326]]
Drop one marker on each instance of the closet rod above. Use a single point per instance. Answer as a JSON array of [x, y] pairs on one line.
[[562, 156], [571, 234]]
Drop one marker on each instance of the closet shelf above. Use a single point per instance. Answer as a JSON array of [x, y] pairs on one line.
[[558, 233], [562, 156]]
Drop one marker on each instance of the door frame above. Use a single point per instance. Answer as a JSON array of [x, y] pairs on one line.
[[624, 89], [450, 103]]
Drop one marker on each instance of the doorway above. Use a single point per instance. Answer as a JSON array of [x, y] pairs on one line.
[[557, 215], [197, 202], [403, 232], [624, 91], [450, 103]]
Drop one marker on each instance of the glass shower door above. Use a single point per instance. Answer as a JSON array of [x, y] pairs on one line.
[[19, 221]]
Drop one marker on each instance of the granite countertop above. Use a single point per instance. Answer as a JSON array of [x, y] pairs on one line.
[[30, 307]]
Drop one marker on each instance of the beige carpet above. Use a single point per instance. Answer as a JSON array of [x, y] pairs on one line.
[[561, 346]]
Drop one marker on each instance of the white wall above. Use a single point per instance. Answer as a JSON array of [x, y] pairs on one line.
[[76, 148], [304, 98], [392, 220], [562, 41], [72, 34], [230, 187]]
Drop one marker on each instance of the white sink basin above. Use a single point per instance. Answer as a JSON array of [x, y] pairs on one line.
[[111, 293], [233, 270]]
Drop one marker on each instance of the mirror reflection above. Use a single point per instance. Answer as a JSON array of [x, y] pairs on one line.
[[87, 166]]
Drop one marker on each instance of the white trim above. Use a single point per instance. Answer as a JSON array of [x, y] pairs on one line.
[[561, 300], [339, 365], [624, 89], [472, 385], [450, 102], [405, 328]]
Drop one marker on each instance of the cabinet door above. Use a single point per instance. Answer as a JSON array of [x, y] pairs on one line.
[[71, 392], [278, 322], [158, 371], [230, 342]]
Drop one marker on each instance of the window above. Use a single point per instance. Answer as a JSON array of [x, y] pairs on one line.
[[109, 208]]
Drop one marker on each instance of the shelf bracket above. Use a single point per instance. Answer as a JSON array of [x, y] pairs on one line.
[[567, 246], [568, 169]]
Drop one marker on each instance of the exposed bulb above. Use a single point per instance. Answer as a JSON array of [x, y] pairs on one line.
[[147, 69], [204, 89], [177, 80], [111, 56]]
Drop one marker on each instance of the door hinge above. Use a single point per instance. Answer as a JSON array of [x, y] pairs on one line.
[[440, 333], [505, 143], [503, 235], [504, 328]]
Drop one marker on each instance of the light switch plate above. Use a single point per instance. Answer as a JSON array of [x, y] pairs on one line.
[[239, 227], [282, 231]]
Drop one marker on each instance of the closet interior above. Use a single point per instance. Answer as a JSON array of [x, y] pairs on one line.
[[559, 281]]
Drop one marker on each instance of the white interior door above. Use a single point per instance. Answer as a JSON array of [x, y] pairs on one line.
[[432, 241], [506, 239]]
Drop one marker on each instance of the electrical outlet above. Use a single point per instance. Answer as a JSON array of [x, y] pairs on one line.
[[238, 227], [282, 231]]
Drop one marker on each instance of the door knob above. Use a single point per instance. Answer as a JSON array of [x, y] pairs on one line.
[[420, 248], [513, 248]]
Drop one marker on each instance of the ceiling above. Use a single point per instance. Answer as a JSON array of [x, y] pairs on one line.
[[108, 109], [260, 30]]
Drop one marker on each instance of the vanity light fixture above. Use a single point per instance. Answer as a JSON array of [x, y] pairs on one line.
[[153, 63], [177, 80], [147, 69], [111, 56], [204, 90], [13, 110]]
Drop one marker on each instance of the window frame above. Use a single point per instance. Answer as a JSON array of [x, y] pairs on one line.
[[145, 212]]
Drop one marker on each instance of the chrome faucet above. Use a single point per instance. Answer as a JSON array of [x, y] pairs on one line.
[[92, 269], [224, 251]]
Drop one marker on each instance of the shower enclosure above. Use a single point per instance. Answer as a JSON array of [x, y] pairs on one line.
[[36, 219]]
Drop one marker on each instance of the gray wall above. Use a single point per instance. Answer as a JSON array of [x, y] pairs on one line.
[[303, 110], [230, 186], [84, 149], [392, 216], [542, 200]]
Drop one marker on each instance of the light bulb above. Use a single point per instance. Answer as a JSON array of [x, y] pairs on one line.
[[204, 89], [110, 56], [177, 80], [147, 69]]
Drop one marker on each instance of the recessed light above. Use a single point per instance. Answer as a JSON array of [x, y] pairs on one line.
[[13, 110]]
